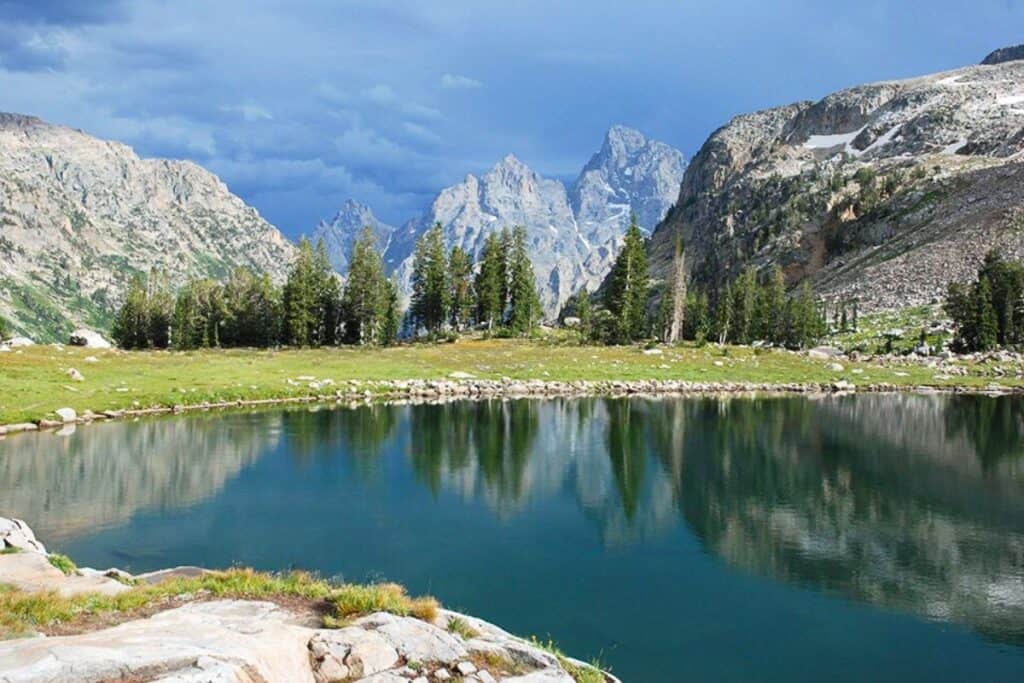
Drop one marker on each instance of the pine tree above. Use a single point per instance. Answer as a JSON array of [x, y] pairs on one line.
[[366, 299], [301, 306], [524, 304], [744, 308], [460, 267], [988, 323], [199, 314], [585, 312], [392, 319], [160, 310], [489, 283], [697, 325], [772, 315], [252, 310], [327, 287], [805, 323], [627, 292], [431, 289], [131, 324]]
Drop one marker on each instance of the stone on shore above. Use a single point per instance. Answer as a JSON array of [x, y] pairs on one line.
[[66, 414]]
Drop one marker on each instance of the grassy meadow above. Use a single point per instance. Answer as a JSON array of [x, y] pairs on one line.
[[35, 381]]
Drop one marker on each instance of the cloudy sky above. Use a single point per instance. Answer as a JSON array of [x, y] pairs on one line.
[[301, 104]]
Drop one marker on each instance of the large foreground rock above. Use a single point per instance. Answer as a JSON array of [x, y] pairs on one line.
[[88, 339]]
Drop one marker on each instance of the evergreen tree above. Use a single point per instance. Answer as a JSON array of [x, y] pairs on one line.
[[131, 324], [627, 292], [301, 305], [198, 315], [805, 323], [744, 308], [392, 319], [4, 328], [460, 267], [327, 286], [988, 322], [160, 310], [524, 304], [698, 324], [489, 284], [366, 300], [431, 289], [585, 312], [252, 310], [772, 308]]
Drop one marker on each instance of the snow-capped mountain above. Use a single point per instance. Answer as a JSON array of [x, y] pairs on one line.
[[573, 235]]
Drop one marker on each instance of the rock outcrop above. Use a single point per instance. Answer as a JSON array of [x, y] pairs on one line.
[[883, 192], [196, 639], [80, 216], [573, 235]]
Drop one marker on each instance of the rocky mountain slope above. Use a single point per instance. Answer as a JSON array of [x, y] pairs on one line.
[[883, 192], [340, 233], [573, 233], [79, 216]]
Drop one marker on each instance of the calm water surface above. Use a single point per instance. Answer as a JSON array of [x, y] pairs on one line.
[[781, 539]]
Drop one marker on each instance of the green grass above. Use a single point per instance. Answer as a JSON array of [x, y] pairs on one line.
[[34, 383], [62, 562], [25, 613], [870, 338], [461, 627], [581, 673]]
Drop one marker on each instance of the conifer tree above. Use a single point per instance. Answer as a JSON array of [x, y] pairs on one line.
[[678, 294], [772, 308], [392, 319], [585, 312], [301, 305], [524, 304], [198, 315], [131, 324], [328, 298], [160, 310], [252, 310], [365, 302], [988, 323], [744, 291], [627, 292], [489, 284], [431, 289], [460, 267]]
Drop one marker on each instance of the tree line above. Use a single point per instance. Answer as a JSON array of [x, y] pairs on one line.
[[989, 312], [247, 309], [745, 310]]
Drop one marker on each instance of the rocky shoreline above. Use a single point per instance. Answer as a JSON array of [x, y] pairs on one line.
[[197, 638], [354, 392]]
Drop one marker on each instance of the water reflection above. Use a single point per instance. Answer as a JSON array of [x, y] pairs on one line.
[[101, 476], [909, 502]]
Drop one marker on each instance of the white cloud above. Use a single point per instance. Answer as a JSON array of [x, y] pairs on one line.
[[458, 82], [250, 111]]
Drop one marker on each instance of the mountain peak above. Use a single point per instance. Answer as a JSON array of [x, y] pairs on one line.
[[624, 138], [1004, 54]]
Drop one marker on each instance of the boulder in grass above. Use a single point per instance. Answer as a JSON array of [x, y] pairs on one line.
[[88, 339], [15, 342]]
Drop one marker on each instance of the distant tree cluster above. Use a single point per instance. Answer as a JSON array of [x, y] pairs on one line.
[[312, 309], [500, 296], [989, 312], [742, 312]]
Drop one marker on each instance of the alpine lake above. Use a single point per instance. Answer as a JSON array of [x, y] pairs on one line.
[[840, 538]]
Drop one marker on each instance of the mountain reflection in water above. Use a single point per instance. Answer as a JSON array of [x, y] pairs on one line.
[[914, 503]]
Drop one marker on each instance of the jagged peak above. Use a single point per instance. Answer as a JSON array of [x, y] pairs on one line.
[[1004, 54], [624, 137], [13, 120]]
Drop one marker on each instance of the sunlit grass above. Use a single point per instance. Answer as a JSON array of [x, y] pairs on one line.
[[35, 382], [25, 613]]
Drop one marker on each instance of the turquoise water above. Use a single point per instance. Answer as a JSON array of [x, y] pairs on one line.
[[781, 539]]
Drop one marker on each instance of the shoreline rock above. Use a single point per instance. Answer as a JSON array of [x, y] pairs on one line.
[[401, 392], [199, 639]]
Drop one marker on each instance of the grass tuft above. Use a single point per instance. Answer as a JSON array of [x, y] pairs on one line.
[[461, 627], [63, 563], [26, 613], [353, 600], [581, 673]]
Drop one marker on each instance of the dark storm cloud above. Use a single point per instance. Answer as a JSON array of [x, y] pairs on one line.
[[62, 12], [300, 105]]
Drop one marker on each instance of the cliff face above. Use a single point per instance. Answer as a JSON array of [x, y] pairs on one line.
[[885, 192], [80, 216]]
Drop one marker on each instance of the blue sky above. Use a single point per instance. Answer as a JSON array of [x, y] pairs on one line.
[[299, 105]]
